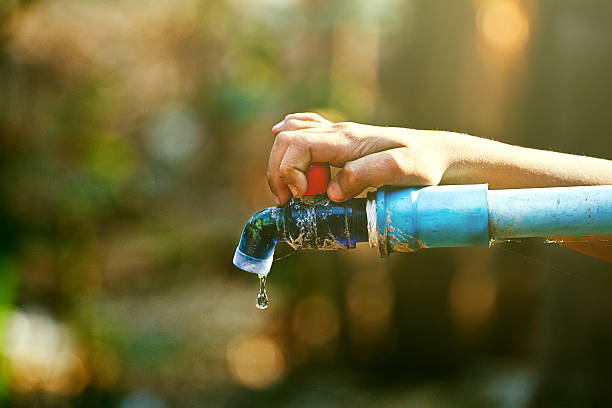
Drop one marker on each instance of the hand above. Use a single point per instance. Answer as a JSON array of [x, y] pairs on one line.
[[370, 156]]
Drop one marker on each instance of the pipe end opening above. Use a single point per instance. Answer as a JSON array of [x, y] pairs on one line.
[[250, 264]]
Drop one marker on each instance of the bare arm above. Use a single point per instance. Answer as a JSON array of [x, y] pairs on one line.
[[501, 165], [372, 156]]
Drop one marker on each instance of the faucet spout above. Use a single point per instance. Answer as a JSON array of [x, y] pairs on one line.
[[313, 222], [259, 238]]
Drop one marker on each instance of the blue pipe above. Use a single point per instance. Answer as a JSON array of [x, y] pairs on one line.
[[439, 216], [537, 212], [407, 219], [470, 215]]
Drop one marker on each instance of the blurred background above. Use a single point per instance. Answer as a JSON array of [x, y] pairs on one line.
[[134, 141]]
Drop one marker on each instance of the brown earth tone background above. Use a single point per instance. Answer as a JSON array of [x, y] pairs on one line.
[[133, 147]]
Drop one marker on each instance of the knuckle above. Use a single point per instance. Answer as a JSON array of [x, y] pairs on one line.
[[294, 116], [286, 172], [299, 140], [292, 139], [341, 125], [283, 137], [346, 129], [350, 175]]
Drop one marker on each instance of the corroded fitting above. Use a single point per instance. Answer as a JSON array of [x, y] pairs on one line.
[[314, 222], [408, 219], [372, 221]]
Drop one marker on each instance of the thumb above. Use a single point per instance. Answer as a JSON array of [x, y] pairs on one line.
[[390, 167], [373, 170]]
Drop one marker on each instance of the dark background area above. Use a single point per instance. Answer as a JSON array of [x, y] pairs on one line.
[[134, 140]]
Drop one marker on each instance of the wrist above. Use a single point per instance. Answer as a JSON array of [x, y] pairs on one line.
[[454, 152], [437, 145]]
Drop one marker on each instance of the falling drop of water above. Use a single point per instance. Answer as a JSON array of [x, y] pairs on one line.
[[262, 296]]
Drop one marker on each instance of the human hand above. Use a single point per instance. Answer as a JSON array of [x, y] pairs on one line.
[[370, 156]]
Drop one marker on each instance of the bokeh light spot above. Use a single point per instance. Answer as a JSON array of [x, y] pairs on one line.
[[472, 295], [503, 24], [43, 356], [316, 321], [174, 135], [256, 361], [369, 297]]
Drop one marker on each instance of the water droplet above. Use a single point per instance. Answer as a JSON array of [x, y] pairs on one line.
[[262, 296]]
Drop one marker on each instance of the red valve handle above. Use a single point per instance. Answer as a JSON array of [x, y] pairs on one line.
[[318, 176]]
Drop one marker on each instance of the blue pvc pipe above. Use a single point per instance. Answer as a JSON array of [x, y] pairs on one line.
[[541, 212], [439, 216], [407, 219], [470, 215]]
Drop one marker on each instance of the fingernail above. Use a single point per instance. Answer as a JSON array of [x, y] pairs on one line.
[[293, 189], [334, 192], [277, 200], [277, 126]]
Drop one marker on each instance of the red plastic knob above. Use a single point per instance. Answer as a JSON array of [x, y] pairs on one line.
[[318, 176]]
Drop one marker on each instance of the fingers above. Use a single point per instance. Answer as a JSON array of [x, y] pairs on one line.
[[277, 185], [292, 153], [293, 169], [294, 124], [309, 116], [357, 175], [389, 167], [294, 180], [295, 121], [302, 148], [281, 192]]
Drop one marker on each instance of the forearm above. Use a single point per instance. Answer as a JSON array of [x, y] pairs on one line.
[[373, 156], [475, 160]]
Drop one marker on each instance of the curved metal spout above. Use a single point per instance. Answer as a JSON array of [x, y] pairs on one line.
[[314, 222]]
